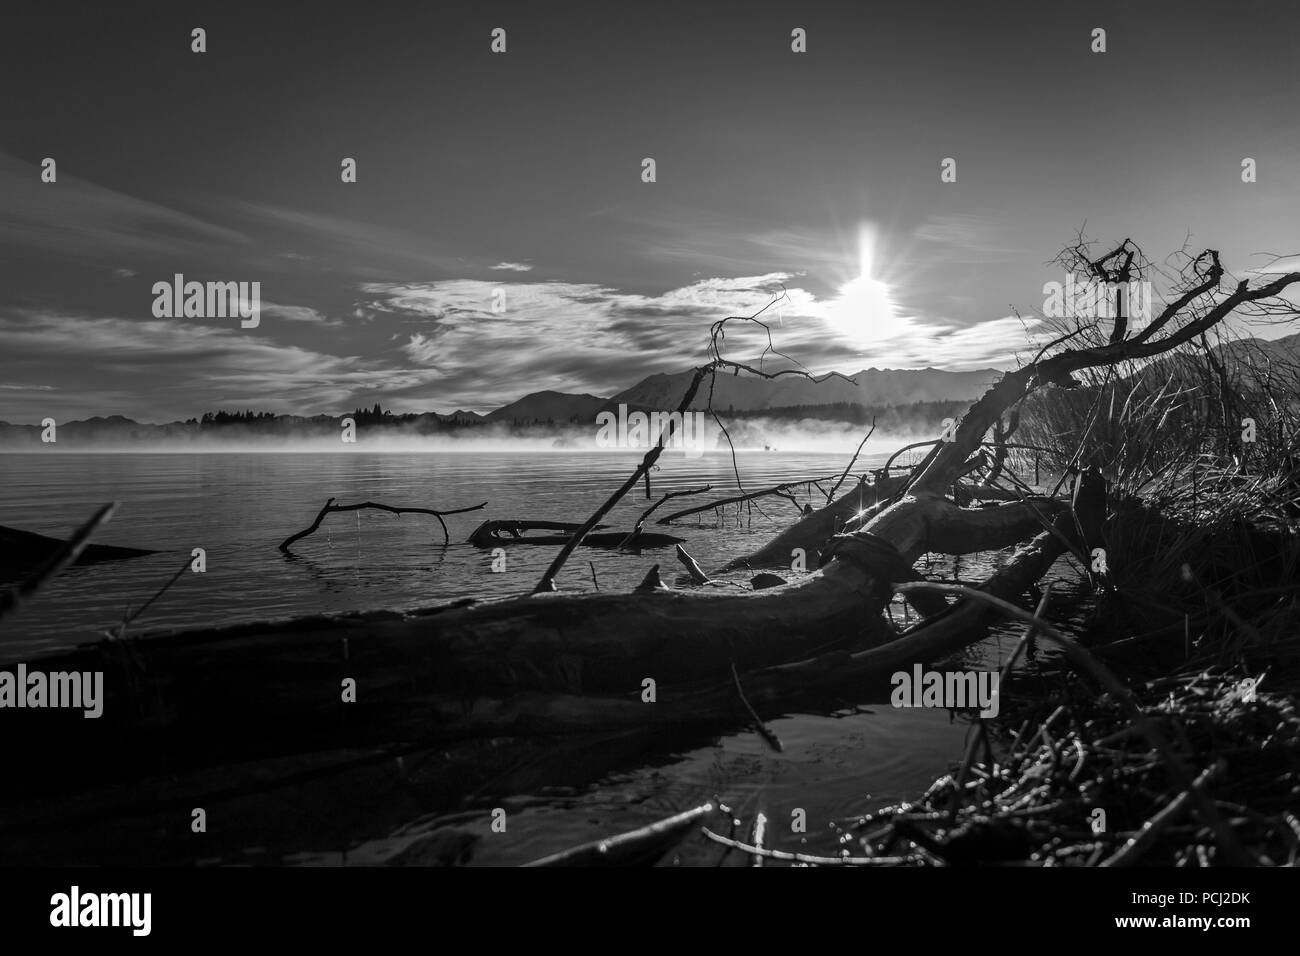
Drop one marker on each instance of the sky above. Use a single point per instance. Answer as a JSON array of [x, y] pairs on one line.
[[516, 179]]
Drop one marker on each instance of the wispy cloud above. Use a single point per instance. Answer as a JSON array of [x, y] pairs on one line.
[[76, 218], [513, 267], [160, 369], [357, 247], [298, 313]]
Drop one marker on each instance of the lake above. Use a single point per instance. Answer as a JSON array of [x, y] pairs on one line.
[[238, 507]]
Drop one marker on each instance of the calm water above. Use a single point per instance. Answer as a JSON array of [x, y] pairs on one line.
[[238, 507]]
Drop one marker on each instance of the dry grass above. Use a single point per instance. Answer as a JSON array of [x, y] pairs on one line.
[[1075, 754]]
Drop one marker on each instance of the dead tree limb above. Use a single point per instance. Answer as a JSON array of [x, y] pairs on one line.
[[1057, 369], [641, 846], [640, 522], [495, 531], [763, 729], [547, 582], [1003, 429], [129, 617], [852, 461], [330, 508], [693, 569], [780, 489]]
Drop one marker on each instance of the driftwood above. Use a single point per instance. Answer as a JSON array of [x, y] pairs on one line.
[[23, 552], [830, 495], [812, 531], [781, 490], [635, 538], [331, 508], [693, 569], [769, 690], [498, 533], [959, 531], [639, 847]]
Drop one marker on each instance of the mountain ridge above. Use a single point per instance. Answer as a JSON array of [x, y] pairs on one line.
[[662, 391]]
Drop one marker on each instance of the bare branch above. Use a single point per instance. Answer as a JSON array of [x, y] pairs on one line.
[[330, 508]]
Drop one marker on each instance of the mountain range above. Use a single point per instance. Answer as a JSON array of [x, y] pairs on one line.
[[870, 388]]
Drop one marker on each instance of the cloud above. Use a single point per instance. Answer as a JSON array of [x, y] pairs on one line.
[[513, 266], [585, 337], [163, 368], [298, 313], [357, 247]]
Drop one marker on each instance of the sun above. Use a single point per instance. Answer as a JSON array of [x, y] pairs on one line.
[[866, 249], [863, 311]]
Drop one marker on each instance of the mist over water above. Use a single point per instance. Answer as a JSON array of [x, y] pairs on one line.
[[807, 436]]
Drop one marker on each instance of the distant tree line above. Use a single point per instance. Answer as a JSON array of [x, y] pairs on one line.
[[376, 415], [246, 417]]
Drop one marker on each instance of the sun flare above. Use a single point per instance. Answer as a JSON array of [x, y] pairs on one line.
[[864, 312]]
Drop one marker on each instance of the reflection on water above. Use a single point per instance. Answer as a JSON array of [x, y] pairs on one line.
[[436, 807]]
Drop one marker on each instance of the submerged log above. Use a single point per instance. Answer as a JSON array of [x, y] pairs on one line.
[[31, 581], [24, 551], [498, 533]]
